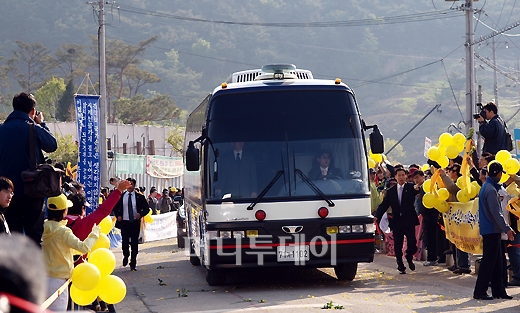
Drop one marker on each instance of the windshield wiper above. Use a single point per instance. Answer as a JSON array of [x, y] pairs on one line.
[[313, 187], [266, 189]]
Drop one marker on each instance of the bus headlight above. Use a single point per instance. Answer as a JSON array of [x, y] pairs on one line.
[[344, 229], [370, 228], [212, 234], [225, 234], [358, 228], [238, 234]]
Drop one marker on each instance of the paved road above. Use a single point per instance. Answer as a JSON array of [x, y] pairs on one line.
[[163, 272]]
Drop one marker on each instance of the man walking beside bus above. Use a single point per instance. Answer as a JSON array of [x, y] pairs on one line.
[[401, 198]]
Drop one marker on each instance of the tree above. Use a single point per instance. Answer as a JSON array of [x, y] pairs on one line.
[[137, 78], [67, 150], [72, 60], [48, 95], [29, 64], [119, 56], [138, 109], [66, 102], [176, 139]]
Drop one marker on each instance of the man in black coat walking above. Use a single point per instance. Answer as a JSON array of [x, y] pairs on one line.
[[401, 198], [129, 210]]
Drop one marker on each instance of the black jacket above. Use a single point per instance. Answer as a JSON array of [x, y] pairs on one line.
[[141, 205], [402, 214], [14, 140], [4, 228], [332, 173], [494, 134]]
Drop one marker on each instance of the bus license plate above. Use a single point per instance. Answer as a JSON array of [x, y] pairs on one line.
[[293, 253]]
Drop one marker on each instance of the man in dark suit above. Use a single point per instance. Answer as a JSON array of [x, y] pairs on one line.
[[237, 174], [129, 210], [401, 198], [325, 169]]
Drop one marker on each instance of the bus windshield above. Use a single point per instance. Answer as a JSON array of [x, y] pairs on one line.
[[310, 133]]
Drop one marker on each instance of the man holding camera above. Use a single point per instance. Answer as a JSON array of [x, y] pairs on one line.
[[493, 130], [25, 214]]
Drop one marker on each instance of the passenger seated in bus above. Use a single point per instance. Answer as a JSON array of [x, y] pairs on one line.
[[323, 168], [237, 173]]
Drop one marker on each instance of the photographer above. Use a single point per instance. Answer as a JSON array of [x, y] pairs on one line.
[[165, 203], [492, 130]]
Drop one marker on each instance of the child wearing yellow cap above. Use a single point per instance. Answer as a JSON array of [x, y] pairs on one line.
[[58, 242]]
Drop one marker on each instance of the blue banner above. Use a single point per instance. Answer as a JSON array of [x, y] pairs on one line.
[[88, 173]]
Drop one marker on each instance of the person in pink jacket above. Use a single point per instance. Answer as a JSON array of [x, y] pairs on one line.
[[81, 224]]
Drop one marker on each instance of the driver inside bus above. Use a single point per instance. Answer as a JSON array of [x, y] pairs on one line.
[[323, 168], [237, 174]]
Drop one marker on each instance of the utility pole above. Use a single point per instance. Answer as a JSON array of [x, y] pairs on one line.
[[470, 66], [103, 99]]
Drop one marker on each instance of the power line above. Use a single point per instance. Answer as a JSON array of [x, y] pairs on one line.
[[259, 66], [453, 93], [416, 17]]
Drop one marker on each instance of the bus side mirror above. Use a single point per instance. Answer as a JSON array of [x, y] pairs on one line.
[[192, 158], [377, 143]]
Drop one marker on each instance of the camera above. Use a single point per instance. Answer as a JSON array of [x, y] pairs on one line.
[[482, 113]]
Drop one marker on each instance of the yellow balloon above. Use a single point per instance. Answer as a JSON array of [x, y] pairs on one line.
[[102, 242], [443, 193], [474, 183], [474, 191], [502, 156], [504, 178], [104, 260], [426, 186], [462, 195], [85, 276], [429, 200], [446, 139], [452, 152], [425, 167], [371, 163], [106, 225], [377, 157], [149, 212], [82, 297], [443, 161], [434, 153], [459, 139], [112, 289], [460, 182], [511, 166], [442, 206], [148, 219]]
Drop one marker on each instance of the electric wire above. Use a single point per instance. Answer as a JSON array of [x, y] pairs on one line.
[[378, 80], [317, 75], [451, 87], [407, 18]]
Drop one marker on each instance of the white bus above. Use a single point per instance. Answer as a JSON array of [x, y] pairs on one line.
[[276, 175]]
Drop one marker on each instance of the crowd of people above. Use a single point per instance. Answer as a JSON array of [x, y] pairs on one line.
[[56, 226], [396, 197], [60, 225]]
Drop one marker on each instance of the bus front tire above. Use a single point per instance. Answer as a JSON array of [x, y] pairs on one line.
[[215, 277], [346, 271]]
